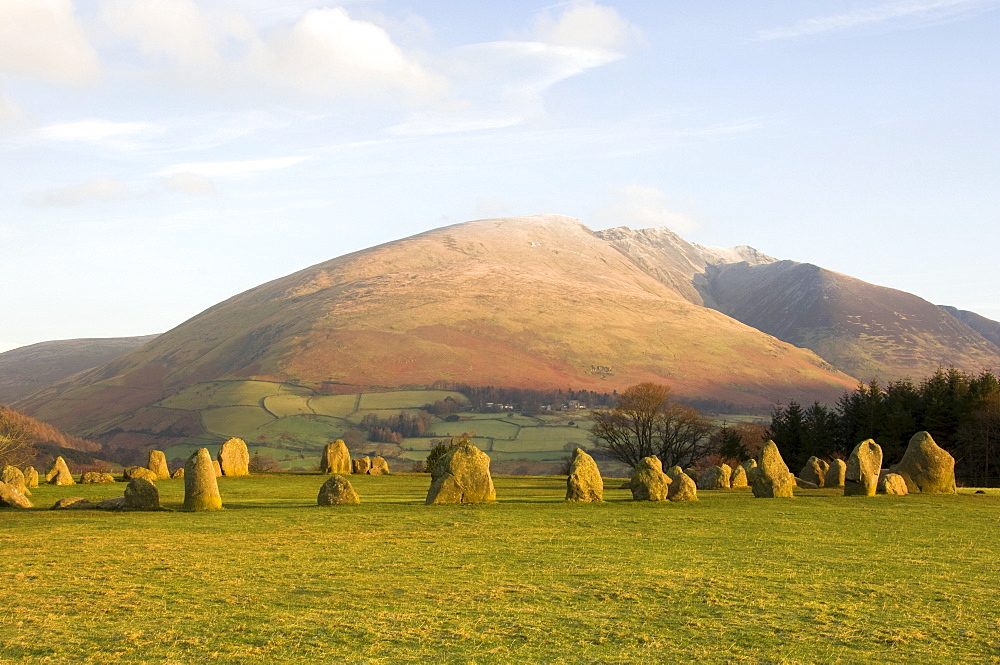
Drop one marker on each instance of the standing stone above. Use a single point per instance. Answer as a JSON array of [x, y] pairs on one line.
[[462, 475], [234, 458], [178, 473], [649, 483], [10, 497], [131, 472], [715, 478], [379, 467], [584, 482], [771, 478], [674, 471], [361, 466], [692, 473], [201, 491], [892, 483], [158, 464], [863, 466], [141, 494], [92, 477], [750, 466], [30, 477], [14, 477], [835, 474], [58, 473], [927, 467], [217, 468], [337, 491], [681, 487], [815, 471], [738, 479], [336, 458]]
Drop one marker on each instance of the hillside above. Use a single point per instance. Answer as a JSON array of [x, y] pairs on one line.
[[537, 302], [28, 368], [988, 328]]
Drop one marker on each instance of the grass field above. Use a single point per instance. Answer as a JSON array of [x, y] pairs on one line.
[[274, 578]]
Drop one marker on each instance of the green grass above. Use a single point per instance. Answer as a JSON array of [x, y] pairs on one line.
[[402, 399], [241, 421], [338, 406], [228, 393], [495, 429], [307, 432], [274, 578], [287, 405]]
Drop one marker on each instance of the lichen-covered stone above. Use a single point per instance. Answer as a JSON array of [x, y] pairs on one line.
[[336, 458], [73, 503], [649, 483], [771, 477], [116, 503], [361, 465], [892, 483], [336, 491], [58, 473], [30, 477], [141, 494], [11, 497], [927, 467], [715, 478], [815, 471], [14, 477], [835, 474], [462, 475], [682, 487], [805, 484], [201, 490], [692, 473], [379, 467], [750, 466], [158, 464], [584, 482], [863, 467], [672, 473], [94, 477], [234, 458], [131, 472], [738, 478], [217, 468], [178, 473]]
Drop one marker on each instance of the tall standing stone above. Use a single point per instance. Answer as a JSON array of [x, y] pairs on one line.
[[379, 467], [201, 491], [158, 464], [927, 467], [835, 474], [141, 494], [30, 477], [14, 477], [815, 471], [681, 487], [584, 482], [361, 465], [863, 467], [337, 491], [462, 475], [715, 478], [738, 478], [649, 483], [771, 477], [58, 473], [234, 458], [336, 458]]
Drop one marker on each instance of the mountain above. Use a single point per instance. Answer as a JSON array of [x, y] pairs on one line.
[[28, 368], [988, 328], [533, 302]]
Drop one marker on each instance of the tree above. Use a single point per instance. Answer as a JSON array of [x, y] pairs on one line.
[[16, 441], [647, 421]]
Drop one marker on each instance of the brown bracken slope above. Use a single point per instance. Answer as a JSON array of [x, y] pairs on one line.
[[537, 302]]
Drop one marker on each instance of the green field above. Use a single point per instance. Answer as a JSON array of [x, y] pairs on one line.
[[274, 578]]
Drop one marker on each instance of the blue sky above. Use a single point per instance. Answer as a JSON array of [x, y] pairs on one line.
[[159, 156]]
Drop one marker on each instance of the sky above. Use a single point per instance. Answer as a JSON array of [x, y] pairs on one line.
[[160, 156]]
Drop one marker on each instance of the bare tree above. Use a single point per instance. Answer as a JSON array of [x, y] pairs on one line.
[[16, 442], [647, 421]]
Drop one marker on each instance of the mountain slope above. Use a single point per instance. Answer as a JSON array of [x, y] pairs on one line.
[[28, 368], [988, 328], [538, 302]]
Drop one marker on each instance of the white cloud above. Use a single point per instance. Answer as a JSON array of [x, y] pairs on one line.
[[120, 135], [176, 30], [8, 110], [43, 39], [190, 183], [585, 24], [641, 207], [902, 9], [221, 169], [96, 189]]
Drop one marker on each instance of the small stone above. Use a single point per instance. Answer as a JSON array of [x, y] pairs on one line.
[[11, 497], [584, 481], [158, 464], [178, 473], [738, 479], [814, 471], [379, 467], [771, 478], [336, 458], [14, 477], [805, 484], [863, 467], [138, 472], [750, 466], [201, 491], [58, 473], [234, 458], [74, 503], [892, 483], [462, 475], [927, 467], [715, 478], [682, 487], [361, 465], [692, 473], [116, 503], [649, 483], [336, 491], [141, 494], [30, 477], [217, 468], [835, 474], [94, 477]]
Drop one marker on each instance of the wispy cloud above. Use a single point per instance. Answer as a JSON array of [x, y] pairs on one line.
[[221, 169], [642, 207], [95, 189], [118, 135], [883, 13]]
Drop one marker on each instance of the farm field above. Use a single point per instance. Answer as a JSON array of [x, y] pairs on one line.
[[275, 578]]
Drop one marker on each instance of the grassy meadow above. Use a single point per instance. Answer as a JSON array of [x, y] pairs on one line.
[[275, 578]]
